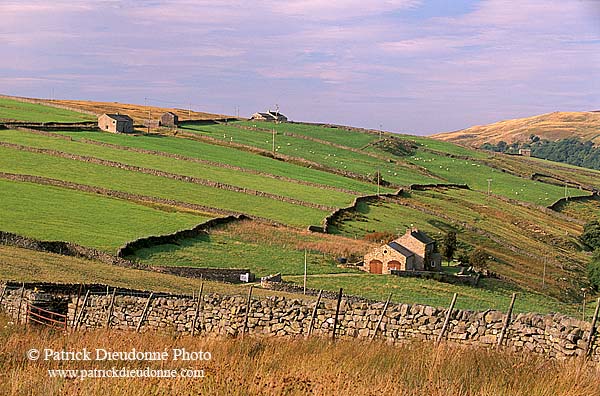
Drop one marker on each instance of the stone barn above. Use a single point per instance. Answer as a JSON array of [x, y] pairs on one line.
[[115, 123], [525, 152], [168, 120], [273, 116], [413, 251]]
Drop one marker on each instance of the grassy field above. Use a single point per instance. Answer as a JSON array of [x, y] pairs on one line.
[[14, 161], [584, 210], [521, 239], [24, 265], [276, 366], [490, 294], [50, 213], [345, 137], [14, 110], [476, 175], [228, 156], [333, 157], [213, 173], [263, 249]]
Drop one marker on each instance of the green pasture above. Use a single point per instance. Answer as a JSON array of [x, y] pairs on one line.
[[50, 213], [345, 137], [14, 161], [491, 294], [476, 175], [519, 238], [14, 110], [218, 250], [213, 173], [333, 157], [225, 155], [444, 147]]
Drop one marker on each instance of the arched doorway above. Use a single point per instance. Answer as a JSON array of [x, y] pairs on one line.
[[395, 265], [375, 267]]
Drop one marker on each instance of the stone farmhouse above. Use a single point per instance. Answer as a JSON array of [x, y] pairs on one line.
[[115, 123], [525, 152], [413, 251], [168, 119], [273, 116]]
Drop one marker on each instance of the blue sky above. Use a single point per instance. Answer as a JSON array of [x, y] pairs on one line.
[[411, 66]]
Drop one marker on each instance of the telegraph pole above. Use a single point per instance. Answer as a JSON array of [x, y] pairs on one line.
[[305, 268], [273, 140], [378, 182], [544, 273], [489, 186]]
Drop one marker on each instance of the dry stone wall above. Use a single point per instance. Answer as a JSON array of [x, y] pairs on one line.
[[554, 335]]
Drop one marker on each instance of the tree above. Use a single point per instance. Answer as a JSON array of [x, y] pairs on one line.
[[449, 245], [479, 259], [593, 270], [591, 234]]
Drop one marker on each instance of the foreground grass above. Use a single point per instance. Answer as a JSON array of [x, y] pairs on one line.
[[276, 366], [20, 111], [51, 213]]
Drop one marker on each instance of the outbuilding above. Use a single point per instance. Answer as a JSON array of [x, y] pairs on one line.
[[168, 119], [115, 123]]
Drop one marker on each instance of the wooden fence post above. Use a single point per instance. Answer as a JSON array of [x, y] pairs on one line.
[[314, 314], [3, 291], [385, 307], [443, 331], [197, 309], [337, 312], [110, 307], [507, 320], [590, 340], [20, 303], [144, 312], [87, 294], [76, 305], [247, 311]]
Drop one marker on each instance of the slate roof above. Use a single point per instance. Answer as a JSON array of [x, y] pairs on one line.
[[400, 249], [421, 237], [120, 117]]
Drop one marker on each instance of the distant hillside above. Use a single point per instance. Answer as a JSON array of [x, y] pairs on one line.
[[551, 126], [139, 113]]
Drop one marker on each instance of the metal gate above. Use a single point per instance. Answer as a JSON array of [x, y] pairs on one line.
[[44, 317]]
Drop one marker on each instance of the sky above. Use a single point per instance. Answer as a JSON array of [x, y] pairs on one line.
[[410, 66]]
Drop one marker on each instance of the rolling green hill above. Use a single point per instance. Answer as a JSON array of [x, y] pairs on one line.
[[102, 190]]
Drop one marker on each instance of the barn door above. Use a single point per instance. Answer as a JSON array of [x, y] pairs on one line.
[[376, 267]]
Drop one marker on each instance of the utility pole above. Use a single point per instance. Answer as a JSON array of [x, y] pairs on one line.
[[146, 104], [380, 131], [273, 140], [305, 267], [566, 192], [583, 313], [489, 186], [378, 182], [544, 273]]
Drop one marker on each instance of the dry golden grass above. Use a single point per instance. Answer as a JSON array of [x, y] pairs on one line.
[[277, 366], [256, 232], [551, 126], [139, 113]]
